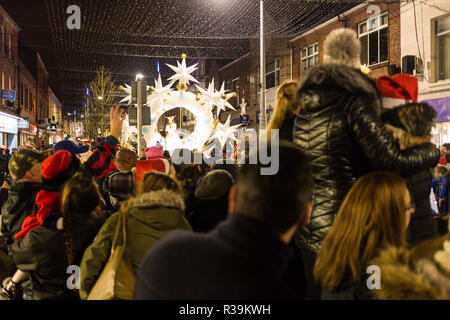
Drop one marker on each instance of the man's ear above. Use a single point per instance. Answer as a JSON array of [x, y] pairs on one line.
[[307, 215], [232, 200]]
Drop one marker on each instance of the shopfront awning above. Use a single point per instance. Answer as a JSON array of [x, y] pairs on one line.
[[442, 107]]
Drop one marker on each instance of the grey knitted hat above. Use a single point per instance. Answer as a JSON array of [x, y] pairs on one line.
[[214, 185]]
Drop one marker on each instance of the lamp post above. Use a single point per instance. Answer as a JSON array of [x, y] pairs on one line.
[[262, 68], [139, 92]]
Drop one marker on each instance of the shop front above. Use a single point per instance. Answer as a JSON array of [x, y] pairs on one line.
[[441, 130], [8, 130], [27, 133]]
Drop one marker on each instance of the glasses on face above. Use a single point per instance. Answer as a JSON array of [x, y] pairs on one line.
[[411, 207]]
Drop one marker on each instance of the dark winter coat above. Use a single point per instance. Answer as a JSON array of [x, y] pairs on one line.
[[21, 203], [340, 128], [287, 126], [207, 213], [150, 217], [349, 290], [410, 125], [42, 253], [240, 259]]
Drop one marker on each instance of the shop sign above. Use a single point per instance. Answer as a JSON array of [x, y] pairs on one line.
[[9, 95], [8, 124], [33, 129], [23, 124]]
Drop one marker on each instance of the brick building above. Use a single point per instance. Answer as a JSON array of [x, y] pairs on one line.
[[379, 38]]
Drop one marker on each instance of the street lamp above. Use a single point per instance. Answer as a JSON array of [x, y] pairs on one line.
[[100, 98], [262, 68], [139, 76]]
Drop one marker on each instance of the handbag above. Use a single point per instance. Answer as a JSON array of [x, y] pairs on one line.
[[116, 282]]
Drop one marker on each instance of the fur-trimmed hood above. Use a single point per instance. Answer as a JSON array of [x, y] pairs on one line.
[[411, 275], [410, 124], [160, 198], [335, 80]]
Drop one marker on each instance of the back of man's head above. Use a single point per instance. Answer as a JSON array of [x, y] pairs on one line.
[[279, 201], [126, 159]]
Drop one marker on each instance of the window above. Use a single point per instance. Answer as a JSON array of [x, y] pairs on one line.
[[310, 56], [373, 37], [443, 48], [273, 74]]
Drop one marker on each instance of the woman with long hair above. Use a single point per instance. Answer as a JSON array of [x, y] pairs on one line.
[[157, 209], [374, 215], [286, 109]]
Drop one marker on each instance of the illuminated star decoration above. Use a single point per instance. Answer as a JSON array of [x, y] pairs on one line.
[[127, 89], [211, 97], [183, 73], [159, 92], [225, 132]]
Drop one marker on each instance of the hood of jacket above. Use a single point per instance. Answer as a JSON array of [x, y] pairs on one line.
[[405, 275], [326, 82], [410, 124], [162, 209]]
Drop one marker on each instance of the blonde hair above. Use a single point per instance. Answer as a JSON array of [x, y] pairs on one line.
[[371, 217], [286, 102], [155, 180]]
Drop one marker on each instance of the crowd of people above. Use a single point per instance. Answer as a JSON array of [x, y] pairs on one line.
[[360, 189]]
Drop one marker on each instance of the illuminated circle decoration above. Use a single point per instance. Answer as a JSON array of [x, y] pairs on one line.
[[165, 98]]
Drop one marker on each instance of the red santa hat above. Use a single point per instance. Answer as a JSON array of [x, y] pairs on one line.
[[398, 90], [145, 166]]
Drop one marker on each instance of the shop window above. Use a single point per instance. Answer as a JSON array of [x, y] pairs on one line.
[[310, 56], [373, 37], [443, 48]]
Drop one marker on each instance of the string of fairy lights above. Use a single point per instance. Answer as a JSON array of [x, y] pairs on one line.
[[131, 36]]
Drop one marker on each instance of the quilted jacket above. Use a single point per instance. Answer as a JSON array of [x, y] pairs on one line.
[[339, 127]]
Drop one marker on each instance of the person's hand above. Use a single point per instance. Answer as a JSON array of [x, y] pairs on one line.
[[116, 117], [440, 201]]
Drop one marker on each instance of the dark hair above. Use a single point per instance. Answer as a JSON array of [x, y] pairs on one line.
[[79, 198], [278, 201], [441, 170]]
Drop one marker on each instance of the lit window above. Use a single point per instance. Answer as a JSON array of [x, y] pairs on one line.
[[310, 56], [443, 48], [273, 74], [373, 37]]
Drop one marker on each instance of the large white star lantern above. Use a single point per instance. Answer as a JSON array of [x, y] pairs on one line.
[[164, 98], [183, 74]]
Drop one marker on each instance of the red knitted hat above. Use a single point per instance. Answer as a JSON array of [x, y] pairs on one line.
[[400, 86], [57, 163]]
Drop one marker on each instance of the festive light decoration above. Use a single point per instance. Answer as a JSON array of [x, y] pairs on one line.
[[243, 105], [163, 99], [131, 35], [183, 74], [211, 97]]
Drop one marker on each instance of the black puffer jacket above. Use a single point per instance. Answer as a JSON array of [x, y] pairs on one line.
[[410, 125], [339, 126], [42, 253], [21, 203]]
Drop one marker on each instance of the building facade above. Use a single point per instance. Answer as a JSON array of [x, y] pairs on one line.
[[430, 52], [379, 37], [55, 118]]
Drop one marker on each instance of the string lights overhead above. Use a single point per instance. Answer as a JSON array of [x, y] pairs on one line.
[[131, 36]]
